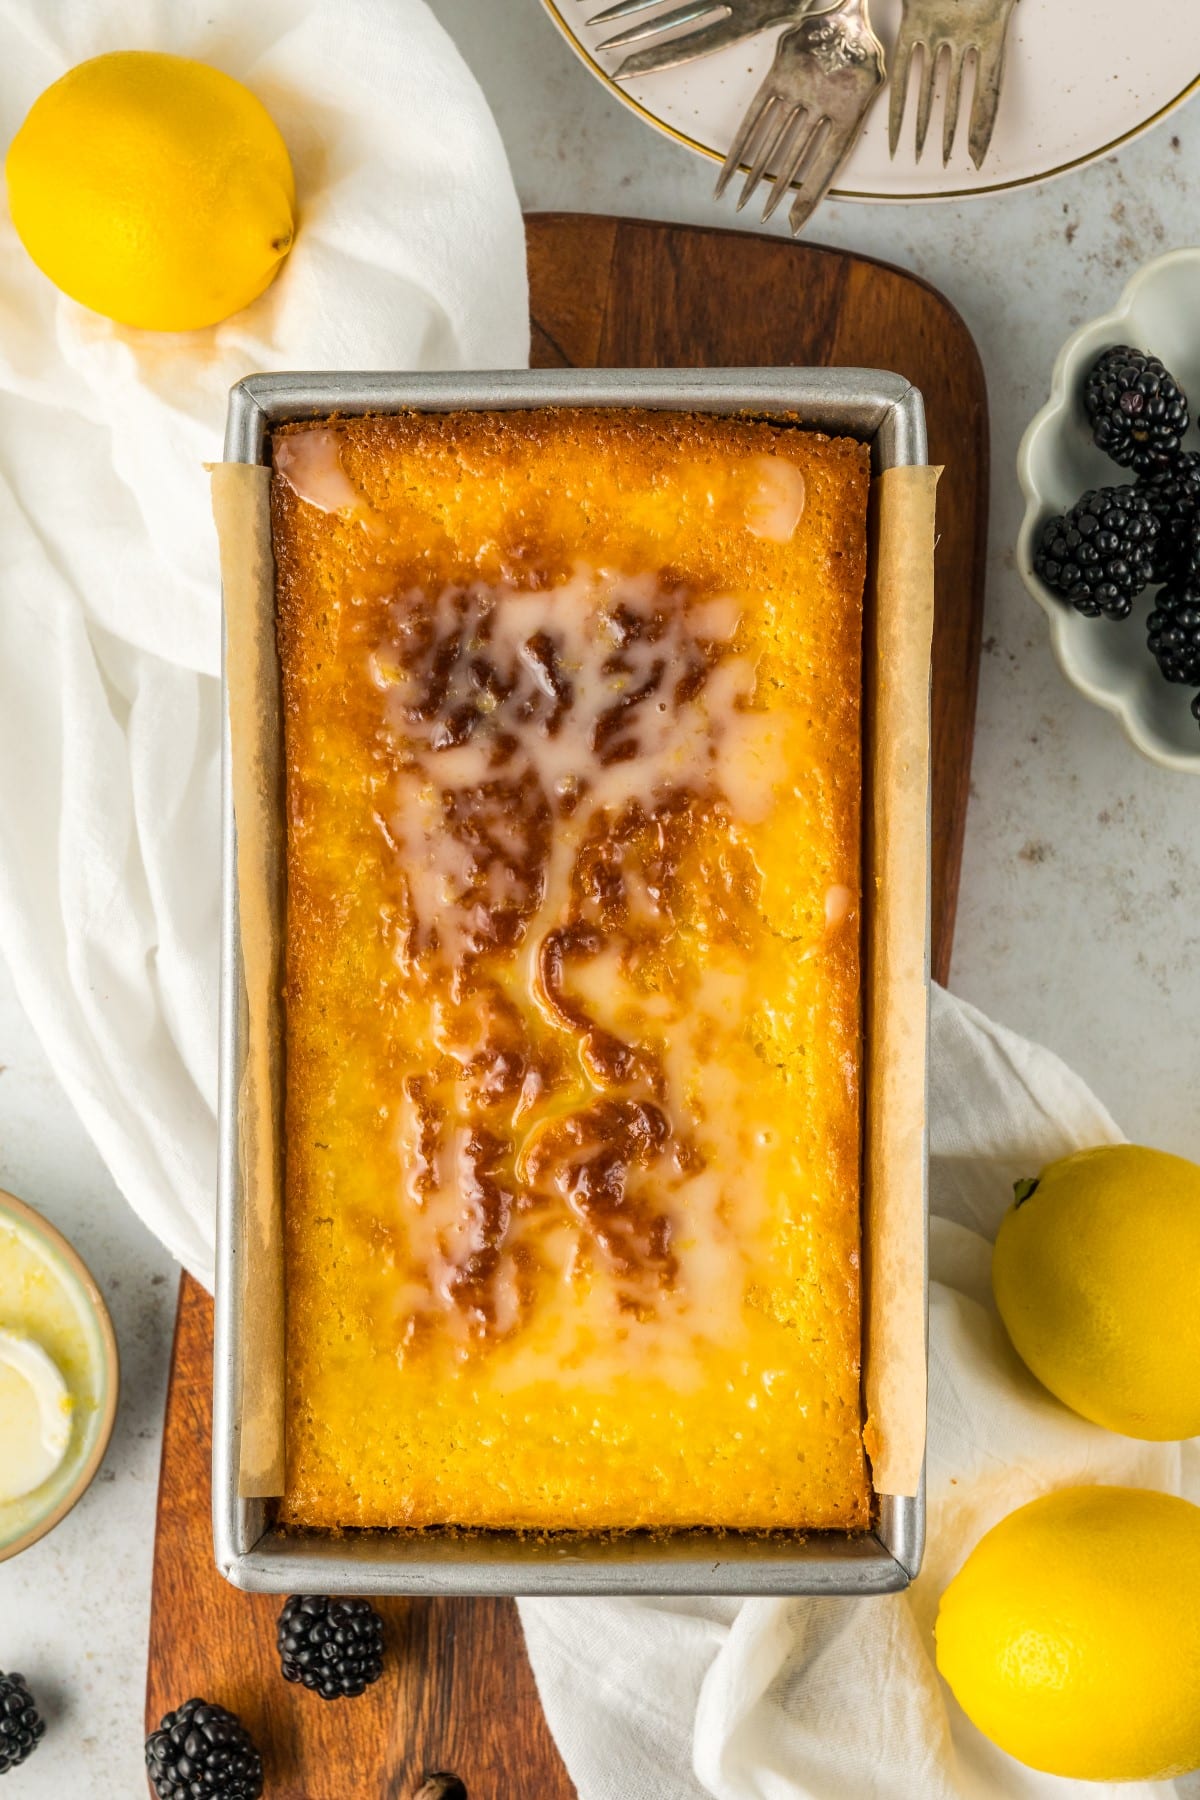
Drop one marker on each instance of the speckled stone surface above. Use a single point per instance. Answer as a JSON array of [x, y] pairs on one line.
[[1078, 917]]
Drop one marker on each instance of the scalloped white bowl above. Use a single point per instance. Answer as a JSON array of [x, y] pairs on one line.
[[1057, 462]]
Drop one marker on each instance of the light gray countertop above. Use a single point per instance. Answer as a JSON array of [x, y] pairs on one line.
[[1081, 879]]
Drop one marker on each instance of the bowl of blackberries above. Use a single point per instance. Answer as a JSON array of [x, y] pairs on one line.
[[1110, 543]]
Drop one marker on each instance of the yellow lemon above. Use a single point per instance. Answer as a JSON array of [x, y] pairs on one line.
[[154, 189], [1096, 1273], [1071, 1634]]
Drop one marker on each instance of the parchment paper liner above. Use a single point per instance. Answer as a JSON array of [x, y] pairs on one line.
[[896, 764]]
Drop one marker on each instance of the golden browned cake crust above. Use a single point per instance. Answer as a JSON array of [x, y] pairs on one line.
[[573, 779]]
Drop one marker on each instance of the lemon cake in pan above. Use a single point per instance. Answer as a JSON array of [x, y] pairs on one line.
[[573, 759]]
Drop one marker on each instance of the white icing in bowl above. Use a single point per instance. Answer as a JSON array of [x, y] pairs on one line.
[[35, 1415]]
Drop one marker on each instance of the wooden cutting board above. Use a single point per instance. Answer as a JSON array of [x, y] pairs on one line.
[[458, 1693]]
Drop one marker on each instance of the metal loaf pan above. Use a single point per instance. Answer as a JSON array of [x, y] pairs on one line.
[[875, 407]]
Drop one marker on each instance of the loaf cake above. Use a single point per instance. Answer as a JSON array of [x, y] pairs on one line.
[[572, 737]]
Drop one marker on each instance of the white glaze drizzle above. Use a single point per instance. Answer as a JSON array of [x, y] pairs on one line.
[[776, 503], [310, 462], [705, 739]]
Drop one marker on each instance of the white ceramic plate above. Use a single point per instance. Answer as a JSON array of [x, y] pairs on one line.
[[1083, 76], [1057, 462]]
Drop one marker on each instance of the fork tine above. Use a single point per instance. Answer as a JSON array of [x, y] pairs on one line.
[[691, 14], [925, 99], [954, 83], [791, 155], [621, 11], [678, 50], [989, 72], [899, 93], [747, 135], [770, 140], [822, 165]]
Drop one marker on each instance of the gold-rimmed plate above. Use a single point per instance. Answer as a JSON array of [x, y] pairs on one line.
[[1084, 76]]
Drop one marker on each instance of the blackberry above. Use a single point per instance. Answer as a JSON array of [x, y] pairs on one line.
[[1174, 496], [1186, 571], [202, 1752], [1100, 555], [1137, 410], [1173, 632], [21, 1725], [334, 1647]]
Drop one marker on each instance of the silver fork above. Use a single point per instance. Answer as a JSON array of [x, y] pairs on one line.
[[806, 117], [729, 21], [963, 28]]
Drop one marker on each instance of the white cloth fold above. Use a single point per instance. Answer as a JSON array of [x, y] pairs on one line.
[[410, 254], [840, 1699]]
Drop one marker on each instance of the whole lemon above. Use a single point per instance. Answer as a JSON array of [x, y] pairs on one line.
[[1096, 1273], [154, 189], [1071, 1634]]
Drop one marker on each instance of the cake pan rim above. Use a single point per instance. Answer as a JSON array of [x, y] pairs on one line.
[[876, 406]]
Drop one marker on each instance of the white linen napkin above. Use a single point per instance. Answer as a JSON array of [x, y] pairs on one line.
[[840, 1699], [410, 254]]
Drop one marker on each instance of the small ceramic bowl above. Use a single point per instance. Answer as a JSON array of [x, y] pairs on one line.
[[81, 1341], [1057, 462]]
